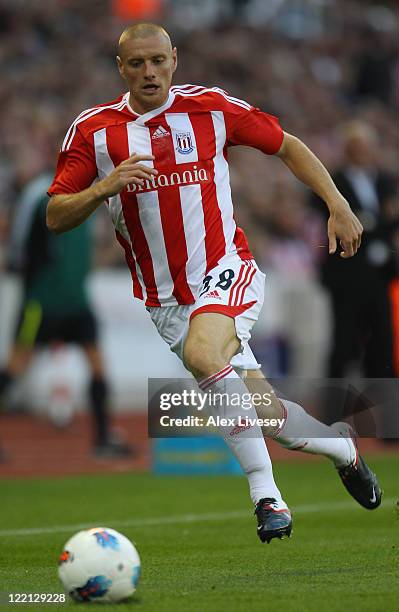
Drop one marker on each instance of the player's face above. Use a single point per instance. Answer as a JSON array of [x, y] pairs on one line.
[[147, 65]]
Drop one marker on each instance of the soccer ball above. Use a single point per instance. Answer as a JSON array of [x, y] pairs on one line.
[[99, 565]]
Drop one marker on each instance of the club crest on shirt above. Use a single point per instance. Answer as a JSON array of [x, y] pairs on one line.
[[184, 143]]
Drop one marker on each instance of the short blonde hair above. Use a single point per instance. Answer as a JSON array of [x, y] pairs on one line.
[[142, 30]]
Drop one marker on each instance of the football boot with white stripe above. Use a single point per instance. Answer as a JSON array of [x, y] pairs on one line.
[[273, 521], [357, 477]]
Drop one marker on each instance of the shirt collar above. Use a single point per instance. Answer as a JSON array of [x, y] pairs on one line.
[[141, 119]]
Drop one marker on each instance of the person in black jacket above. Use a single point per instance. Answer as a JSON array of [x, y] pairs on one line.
[[359, 287]]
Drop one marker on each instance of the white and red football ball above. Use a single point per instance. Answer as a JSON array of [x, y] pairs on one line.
[[99, 565]]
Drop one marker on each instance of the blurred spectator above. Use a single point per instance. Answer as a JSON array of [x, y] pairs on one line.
[[56, 308], [374, 77], [359, 287], [296, 333]]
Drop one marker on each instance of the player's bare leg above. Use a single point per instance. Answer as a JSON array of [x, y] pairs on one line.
[[210, 345], [302, 432]]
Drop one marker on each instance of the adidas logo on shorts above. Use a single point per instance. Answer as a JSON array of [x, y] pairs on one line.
[[213, 294], [160, 132]]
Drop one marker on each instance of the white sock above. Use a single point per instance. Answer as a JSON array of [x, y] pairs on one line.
[[251, 452], [302, 432]]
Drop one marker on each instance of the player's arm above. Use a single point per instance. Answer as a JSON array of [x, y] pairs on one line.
[[342, 223], [68, 210]]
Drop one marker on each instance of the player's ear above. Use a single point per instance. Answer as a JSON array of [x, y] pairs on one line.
[[120, 66], [174, 58]]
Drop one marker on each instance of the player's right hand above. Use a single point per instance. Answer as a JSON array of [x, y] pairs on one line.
[[129, 171], [343, 225]]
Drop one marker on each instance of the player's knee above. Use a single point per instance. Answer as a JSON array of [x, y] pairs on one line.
[[201, 358]]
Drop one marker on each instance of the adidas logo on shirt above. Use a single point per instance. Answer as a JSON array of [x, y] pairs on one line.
[[160, 132]]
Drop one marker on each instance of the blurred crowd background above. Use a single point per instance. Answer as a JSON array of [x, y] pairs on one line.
[[329, 69]]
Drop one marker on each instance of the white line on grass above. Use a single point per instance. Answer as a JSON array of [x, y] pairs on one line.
[[183, 518]]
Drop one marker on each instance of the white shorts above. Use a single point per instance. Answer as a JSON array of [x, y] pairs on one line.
[[235, 288]]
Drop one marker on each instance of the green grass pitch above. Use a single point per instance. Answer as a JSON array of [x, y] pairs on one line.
[[197, 541]]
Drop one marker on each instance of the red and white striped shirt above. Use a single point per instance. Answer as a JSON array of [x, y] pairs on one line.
[[177, 226]]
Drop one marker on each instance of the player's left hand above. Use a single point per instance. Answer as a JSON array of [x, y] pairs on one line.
[[343, 225]]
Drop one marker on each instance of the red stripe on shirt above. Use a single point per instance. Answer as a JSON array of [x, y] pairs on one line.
[[215, 243], [241, 244], [118, 149], [137, 290], [170, 208]]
